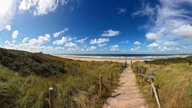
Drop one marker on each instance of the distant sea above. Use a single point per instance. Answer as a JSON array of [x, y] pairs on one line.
[[129, 56]]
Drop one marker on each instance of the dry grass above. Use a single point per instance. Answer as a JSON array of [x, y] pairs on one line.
[[25, 78], [174, 82]]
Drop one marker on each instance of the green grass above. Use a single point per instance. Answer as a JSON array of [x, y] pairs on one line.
[[76, 83], [173, 78]]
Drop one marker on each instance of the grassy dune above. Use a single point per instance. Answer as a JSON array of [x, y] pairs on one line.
[[174, 79], [25, 79]]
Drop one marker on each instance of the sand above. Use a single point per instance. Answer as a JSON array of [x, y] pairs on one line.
[[127, 95], [100, 59]]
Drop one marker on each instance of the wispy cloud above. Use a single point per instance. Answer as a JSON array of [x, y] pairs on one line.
[[110, 33], [170, 43], [82, 40], [114, 48], [137, 43], [125, 42], [57, 34], [70, 44], [135, 48], [122, 10], [146, 10], [92, 48], [99, 41], [169, 21], [15, 34]]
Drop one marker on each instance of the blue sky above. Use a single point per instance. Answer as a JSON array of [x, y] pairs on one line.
[[96, 26]]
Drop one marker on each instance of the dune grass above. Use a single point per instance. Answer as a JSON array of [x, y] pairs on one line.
[[75, 83], [173, 77]]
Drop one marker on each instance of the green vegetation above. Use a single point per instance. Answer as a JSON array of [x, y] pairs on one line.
[[172, 77], [25, 79]]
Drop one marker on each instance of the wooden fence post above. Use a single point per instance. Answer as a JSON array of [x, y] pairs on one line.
[[142, 80], [131, 63], [152, 93], [155, 93], [100, 86], [51, 100]]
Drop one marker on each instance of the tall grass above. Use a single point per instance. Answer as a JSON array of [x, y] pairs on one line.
[[174, 82], [77, 88]]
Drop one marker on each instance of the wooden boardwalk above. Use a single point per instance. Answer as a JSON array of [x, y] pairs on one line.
[[127, 95]]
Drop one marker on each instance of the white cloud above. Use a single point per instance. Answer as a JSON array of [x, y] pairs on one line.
[[40, 40], [125, 42], [168, 21], [114, 48], [146, 10], [170, 43], [7, 11], [82, 40], [165, 48], [56, 34], [59, 48], [92, 48], [152, 36], [122, 10], [136, 48], [152, 45], [99, 41], [110, 33], [137, 43], [8, 27], [60, 42], [7, 42], [26, 39], [15, 34], [71, 38], [40, 7], [64, 2], [70, 44], [102, 45], [27, 4], [185, 31]]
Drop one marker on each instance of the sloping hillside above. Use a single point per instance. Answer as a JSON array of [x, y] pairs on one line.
[[31, 63], [25, 78]]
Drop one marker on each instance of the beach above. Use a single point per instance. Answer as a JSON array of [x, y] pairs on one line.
[[120, 60]]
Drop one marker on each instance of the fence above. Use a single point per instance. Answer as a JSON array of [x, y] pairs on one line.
[[100, 92], [153, 87]]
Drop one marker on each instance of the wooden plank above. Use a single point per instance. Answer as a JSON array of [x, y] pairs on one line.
[[147, 76], [155, 93]]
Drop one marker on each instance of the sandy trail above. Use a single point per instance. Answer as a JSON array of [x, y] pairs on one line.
[[127, 95]]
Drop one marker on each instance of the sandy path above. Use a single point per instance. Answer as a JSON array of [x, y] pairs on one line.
[[127, 95]]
